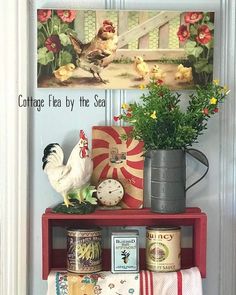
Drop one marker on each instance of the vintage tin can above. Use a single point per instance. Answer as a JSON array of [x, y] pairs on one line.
[[84, 250], [125, 251], [163, 248]]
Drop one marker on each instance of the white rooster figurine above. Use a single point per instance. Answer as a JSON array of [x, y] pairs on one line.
[[76, 173]]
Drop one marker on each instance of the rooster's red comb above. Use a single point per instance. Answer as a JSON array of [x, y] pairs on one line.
[[107, 22], [82, 134]]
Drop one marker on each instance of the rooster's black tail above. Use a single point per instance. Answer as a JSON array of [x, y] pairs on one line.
[[51, 149]]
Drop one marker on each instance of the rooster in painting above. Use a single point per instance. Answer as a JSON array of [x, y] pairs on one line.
[[100, 52], [75, 174]]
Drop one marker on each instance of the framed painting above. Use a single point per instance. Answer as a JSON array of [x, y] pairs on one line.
[[121, 49]]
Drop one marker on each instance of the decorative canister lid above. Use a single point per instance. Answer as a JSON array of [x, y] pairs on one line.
[[163, 228], [84, 229]]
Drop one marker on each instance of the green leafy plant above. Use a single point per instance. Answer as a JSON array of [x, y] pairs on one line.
[[197, 34], [54, 46], [160, 123]]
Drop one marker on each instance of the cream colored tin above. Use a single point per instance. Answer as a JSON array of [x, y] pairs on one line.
[[84, 251], [163, 248]]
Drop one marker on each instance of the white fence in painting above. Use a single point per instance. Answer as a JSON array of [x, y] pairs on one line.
[[141, 32]]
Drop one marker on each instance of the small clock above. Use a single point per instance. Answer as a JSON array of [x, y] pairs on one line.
[[110, 192]]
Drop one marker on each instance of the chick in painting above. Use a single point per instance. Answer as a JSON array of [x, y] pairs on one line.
[[70, 176], [141, 67], [184, 73], [156, 73], [99, 53], [64, 72]]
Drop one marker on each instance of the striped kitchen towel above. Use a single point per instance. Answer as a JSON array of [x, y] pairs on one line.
[[184, 282]]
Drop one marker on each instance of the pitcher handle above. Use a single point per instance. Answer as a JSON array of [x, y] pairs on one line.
[[201, 158]]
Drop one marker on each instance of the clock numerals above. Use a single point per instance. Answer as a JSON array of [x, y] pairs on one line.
[[110, 192]]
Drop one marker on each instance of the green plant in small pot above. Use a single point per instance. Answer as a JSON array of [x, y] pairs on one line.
[[167, 131], [197, 35]]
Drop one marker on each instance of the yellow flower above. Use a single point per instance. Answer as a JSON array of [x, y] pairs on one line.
[[125, 106], [213, 100], [216, 81], [154, 115], [142, 86]]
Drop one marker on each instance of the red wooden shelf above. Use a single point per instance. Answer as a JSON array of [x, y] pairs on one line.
[[56, 258]]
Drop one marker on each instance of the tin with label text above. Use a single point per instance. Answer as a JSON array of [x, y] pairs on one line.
[[163, 248], [84, 250], [125, 252]]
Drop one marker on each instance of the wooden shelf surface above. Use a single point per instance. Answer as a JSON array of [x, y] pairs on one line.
[[124, 214]]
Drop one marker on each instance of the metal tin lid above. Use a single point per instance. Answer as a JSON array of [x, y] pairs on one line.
[[84, 229], [163, 228], [125, 232]]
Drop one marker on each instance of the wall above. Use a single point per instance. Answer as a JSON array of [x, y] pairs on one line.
[[62, 126]]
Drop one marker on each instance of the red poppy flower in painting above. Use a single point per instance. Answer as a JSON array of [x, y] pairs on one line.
[[183, 33], [53, 43], [66, 16], [193, 17], [44, 15], [204, 34]]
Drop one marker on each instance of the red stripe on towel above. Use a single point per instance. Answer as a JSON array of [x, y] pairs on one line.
[[179, 282], [146, 285], [151, 282]]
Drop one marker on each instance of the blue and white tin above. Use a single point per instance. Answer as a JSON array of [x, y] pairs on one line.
[[125, 252]]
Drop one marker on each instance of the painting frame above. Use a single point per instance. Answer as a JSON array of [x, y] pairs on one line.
[[124, 49]]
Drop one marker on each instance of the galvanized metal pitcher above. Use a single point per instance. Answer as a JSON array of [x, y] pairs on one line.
[[168, 178]]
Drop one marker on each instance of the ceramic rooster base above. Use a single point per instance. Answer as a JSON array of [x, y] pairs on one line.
[[71, 180]]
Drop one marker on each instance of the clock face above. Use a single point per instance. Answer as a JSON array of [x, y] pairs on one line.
[[110, 192]]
